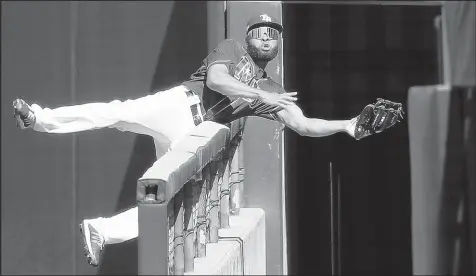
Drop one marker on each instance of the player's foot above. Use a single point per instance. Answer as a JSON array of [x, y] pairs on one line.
[[23, 114], [93, 241]]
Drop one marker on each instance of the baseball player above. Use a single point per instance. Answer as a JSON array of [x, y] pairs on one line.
[[230, 83]]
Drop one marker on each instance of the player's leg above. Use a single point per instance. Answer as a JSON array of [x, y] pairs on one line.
[[121, 227], [99, 232], [73, 118], [164, 115], [171, 121]]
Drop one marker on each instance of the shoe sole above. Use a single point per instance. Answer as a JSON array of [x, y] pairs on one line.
[[86, 236]]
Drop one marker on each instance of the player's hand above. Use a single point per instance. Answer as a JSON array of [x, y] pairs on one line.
[[281, 100]]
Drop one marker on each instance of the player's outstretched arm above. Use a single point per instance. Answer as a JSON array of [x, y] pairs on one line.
[[293, 117], [219, 79]]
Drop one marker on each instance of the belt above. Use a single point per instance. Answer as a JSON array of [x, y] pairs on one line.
[[197, 109]]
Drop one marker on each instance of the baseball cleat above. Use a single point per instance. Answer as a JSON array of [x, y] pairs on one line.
[[23, 114], [93, 242]]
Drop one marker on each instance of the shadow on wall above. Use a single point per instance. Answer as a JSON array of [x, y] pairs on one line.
[[184, 48]]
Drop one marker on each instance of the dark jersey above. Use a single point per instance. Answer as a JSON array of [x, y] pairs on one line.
[[223, 109]]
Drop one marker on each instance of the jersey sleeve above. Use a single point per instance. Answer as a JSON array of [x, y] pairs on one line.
[[228, 52]]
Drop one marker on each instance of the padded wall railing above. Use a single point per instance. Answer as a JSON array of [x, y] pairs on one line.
[[186, 196]]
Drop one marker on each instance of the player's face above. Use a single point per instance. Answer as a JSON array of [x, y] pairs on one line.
[[262, 43]]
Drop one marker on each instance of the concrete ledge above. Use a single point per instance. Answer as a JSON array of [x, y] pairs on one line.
[[241, 249]]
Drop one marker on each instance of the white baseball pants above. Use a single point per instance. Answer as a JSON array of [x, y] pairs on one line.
[[165, 115]]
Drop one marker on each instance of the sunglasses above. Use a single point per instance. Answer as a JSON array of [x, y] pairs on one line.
[[259, 32]]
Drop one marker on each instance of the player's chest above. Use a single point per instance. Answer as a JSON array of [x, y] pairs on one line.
[[247, 72]]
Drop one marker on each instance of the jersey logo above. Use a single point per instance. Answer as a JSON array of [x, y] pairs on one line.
[[245, 73], [265, 17]]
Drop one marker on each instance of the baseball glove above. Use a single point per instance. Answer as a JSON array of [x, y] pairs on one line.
[[377, 117]]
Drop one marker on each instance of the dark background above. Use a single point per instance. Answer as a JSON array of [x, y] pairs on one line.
[[341, 58]]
